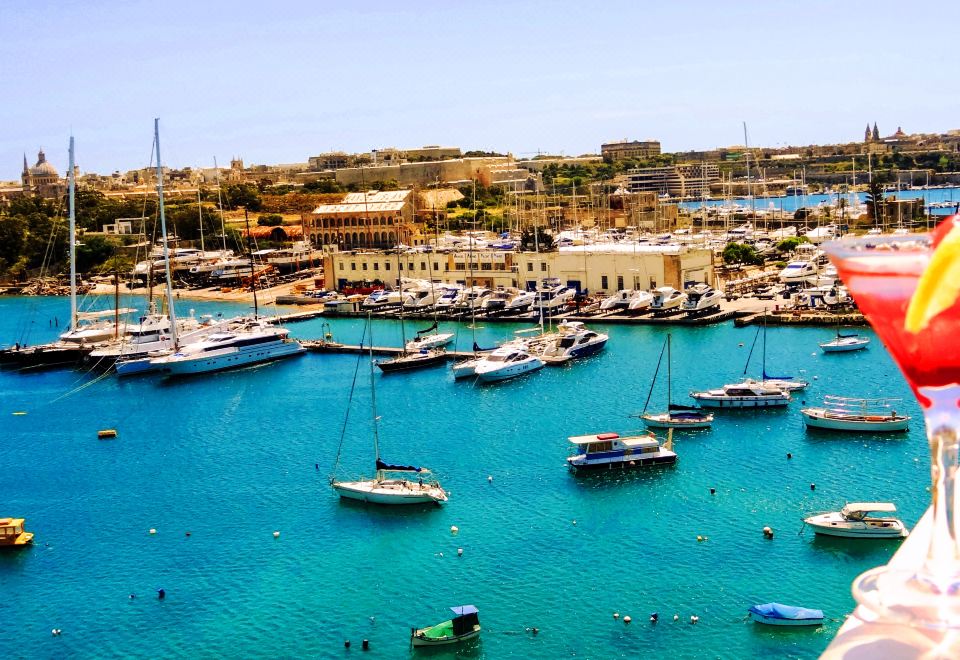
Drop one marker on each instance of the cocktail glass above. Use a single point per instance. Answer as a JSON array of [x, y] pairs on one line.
[[883, 273]]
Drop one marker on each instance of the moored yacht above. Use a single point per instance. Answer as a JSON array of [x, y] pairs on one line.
[[252, 342], [798, 272], [608, 451], [573, 340], [382, 299], [508, 361], [640, 301], [854, 521], [849, 414], [553, 297], [666, 298], [742, 395], [701, 298]]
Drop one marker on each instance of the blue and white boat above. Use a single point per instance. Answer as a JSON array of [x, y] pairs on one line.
[[608, 451], [573, 340], [777, 614]]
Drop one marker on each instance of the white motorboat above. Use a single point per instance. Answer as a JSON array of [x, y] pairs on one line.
[[619, 300], [251, 343], [97, 326], [521, 301], [849, 414], [666, 298], [382, 299], [798, 272], [640, 301], [212, 261], [855, 522], [742, 395], [497, 301], [506, 362], [701, 298], [573, 340], [466, 368], [844, 343], [552, 297], [447, 299], [231, 270], [151, 333], [608, 451], [472, 298]]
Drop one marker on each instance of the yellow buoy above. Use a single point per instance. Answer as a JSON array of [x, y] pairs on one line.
[[107, 433]]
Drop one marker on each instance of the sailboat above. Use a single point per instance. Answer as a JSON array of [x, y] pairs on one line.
[[417, 357], [844, 342], [385, 487], [783, 383], [677, 416], [244, 342]]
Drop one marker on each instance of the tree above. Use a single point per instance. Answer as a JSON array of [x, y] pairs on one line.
[[270, 220], [92, 252], [790, 244], [738, 253], [541, 240]]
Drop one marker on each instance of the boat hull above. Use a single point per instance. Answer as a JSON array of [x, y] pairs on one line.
[[507, 373], [232, 360], [879, 423], [417, 640], [775, 621], [741, 402], [859, 533], [366, 491], [831, 347], [410, 363], [630, 464], [666, 421]]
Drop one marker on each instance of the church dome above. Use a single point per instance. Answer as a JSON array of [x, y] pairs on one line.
[[43, 168]]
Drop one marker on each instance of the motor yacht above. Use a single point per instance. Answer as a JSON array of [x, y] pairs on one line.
[[798, 272], [854, 521], [298, 256], [382, 299], [573, 340], [521, 301], [252, 342], [553, 296], [447, 299], [97, 326], [743, 395], [701, 298], [608, 451], [472, 298], [666, 298], [420, 299], [640, 301], [506, 362], [619, 300]]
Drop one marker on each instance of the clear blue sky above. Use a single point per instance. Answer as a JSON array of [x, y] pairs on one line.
[[278, 82]]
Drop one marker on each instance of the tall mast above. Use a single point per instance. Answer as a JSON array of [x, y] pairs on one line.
[[200, 218], [373, 396], [73, 242], [746, 145], [669, 375], [163, 230], [223, 228], [253, 275]]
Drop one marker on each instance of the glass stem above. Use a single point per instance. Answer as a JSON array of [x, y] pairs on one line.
[[943, 434]]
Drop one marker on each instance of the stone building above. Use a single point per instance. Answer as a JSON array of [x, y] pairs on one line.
[[624, 150], [373, 219]]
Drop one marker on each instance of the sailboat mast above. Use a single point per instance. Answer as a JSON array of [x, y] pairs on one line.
[[163, 230], [669, 375], [223, 227], [253, 275], [373, 396], [200, 218], [73, 241]]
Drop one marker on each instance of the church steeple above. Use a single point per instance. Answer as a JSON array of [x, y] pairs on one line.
[[876, 133], [866, 133]]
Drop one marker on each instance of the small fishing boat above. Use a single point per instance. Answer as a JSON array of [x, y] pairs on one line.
[[864, 415], [677, 416], [12, 534], [465, 625], [854, 521], [608, 451], [777, 614]]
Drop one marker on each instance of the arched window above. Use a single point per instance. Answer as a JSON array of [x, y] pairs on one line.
[[393, 239]]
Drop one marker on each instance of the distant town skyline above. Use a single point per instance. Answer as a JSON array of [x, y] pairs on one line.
[[233, 79]]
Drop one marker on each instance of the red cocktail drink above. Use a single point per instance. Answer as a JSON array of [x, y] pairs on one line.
[[908, 287]]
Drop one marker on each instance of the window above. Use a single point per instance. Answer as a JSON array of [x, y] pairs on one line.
[[436, 266], [653, 283], [459, 266], [603, 282], [376, 265], [410, 266], [529, 266], [353, 265], [543, 267], [341, 265], [619, 282], [399, 266], [364, 265], [423, 265], [486, 266], [386, 265]]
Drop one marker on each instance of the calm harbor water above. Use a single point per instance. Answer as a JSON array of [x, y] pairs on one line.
[[232, 457]]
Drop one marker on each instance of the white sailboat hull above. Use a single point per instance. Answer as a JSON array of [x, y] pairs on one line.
[[819, 418], [841, 346], [390, 492], [668, 421], [229, 358]]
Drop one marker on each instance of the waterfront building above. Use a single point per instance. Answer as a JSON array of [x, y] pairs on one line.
[[423, 173], [594, 267], [623, 150], [374, 219]]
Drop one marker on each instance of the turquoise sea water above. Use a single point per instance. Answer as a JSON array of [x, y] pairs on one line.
[[233, 457]]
